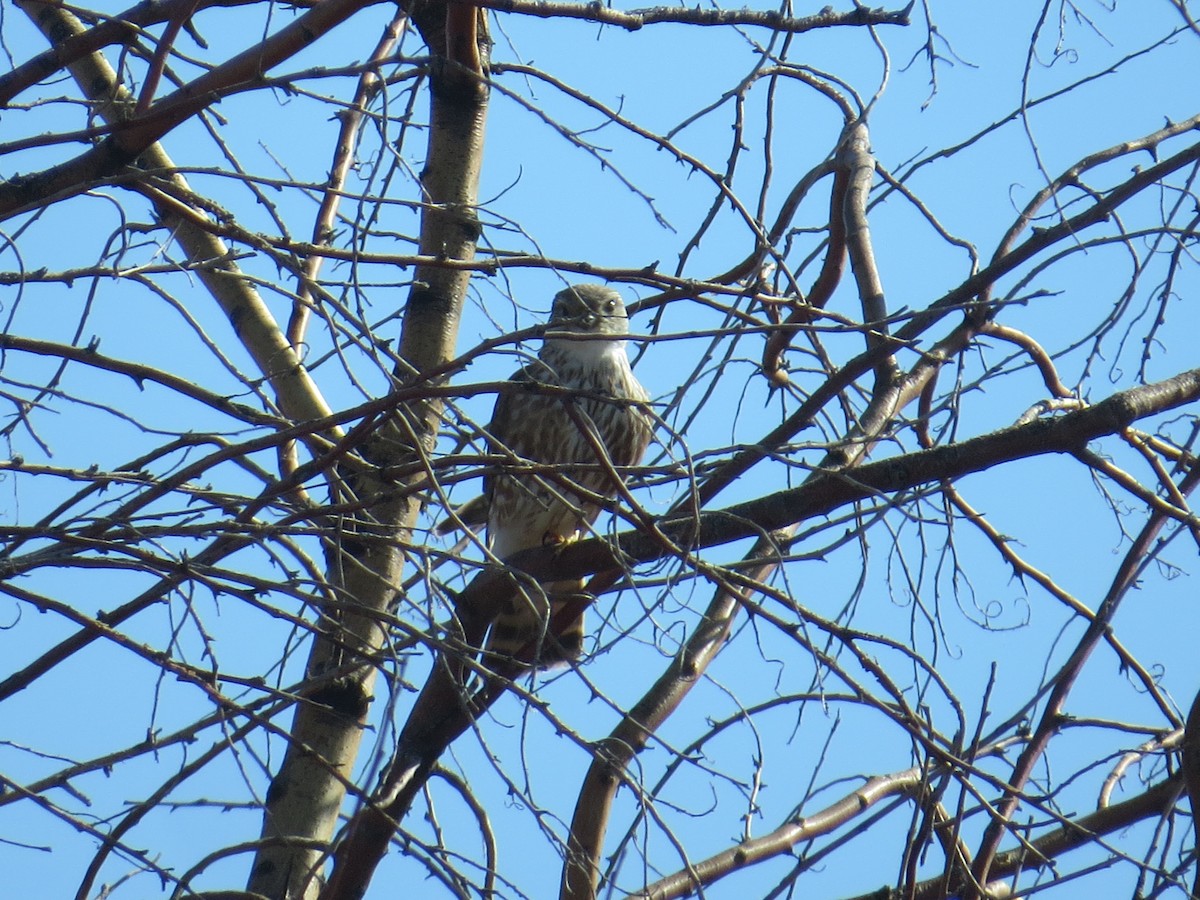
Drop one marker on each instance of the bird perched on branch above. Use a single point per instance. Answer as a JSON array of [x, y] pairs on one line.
[[600, 424]]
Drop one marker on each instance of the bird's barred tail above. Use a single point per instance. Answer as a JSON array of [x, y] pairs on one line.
[[524, 628]]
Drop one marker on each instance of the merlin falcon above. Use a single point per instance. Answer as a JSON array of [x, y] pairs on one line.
[[602, 423]]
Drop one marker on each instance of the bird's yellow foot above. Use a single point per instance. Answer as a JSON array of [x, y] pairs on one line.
[[554, 539]]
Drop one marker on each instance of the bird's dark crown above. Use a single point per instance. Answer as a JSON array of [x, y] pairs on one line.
[[589, 309]]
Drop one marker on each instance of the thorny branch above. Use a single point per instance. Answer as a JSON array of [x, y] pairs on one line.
[[879, 501]]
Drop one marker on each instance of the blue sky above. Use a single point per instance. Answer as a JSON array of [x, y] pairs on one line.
[[568, 208]]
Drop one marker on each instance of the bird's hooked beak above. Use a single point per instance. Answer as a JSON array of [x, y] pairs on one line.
[[584, 321]]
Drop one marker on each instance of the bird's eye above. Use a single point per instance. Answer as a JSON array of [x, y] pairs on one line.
[[610, 306]]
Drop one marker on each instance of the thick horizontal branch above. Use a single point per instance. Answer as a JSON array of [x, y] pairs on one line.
[[638, 18], [823, 495]]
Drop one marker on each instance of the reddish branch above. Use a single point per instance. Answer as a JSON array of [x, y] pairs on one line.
[[462, 36], [162, 50]]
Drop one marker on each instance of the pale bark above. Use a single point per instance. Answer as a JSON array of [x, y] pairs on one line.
[[367, 559]]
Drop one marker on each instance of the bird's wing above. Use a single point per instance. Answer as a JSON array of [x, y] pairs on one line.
[[474, 513]]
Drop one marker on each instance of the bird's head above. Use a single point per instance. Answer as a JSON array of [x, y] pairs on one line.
[[589, 309]]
